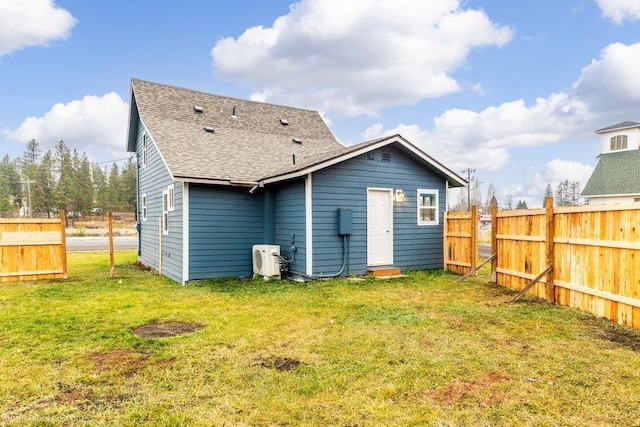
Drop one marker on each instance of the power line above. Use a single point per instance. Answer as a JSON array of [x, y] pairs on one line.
[[113, 161]]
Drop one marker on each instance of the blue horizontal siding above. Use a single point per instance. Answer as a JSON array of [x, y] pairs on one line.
[[290, 213], [225, 223], [344, 185], [154, 178]]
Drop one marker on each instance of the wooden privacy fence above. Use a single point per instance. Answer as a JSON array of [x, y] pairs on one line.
[[586, 257], [461, 241], [32, 249]]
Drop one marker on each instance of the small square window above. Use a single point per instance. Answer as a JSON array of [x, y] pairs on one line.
[[428, 212]]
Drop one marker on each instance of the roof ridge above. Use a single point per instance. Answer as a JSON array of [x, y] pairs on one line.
[[232, 98]]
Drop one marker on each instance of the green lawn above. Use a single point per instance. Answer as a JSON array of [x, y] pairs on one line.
[[420, 350]]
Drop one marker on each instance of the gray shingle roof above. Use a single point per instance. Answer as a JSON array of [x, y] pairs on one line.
[[617, 172], [621, 125], [243, 148], [249, 143]]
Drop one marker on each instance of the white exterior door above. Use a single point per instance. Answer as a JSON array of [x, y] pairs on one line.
[[379, 227]]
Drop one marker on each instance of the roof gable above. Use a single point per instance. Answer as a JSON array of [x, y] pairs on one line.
[[314, 163], [246, 139]]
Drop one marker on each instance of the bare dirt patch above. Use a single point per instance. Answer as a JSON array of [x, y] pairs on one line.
[[620, 335], [124, 362], [167, 329], [280, 364], [482, 389]]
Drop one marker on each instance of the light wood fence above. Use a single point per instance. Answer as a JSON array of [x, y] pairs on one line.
[[32, 249], [461, 241], [585, 257]]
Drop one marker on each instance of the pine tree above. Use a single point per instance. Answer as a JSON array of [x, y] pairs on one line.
[[5, 198], [64, 172], [574, 190], [82, 187], [14, 183], [100, 187], [128, 185], [46, 185], [113, 189], [548, 192], [521, 205]]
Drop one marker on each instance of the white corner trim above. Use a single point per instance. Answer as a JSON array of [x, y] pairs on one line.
[[185, 233], [308, 197]]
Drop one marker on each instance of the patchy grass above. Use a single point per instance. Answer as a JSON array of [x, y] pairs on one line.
[[420, 350]]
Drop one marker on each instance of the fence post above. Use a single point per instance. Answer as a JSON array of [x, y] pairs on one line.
[[445, 230], [550, 234], [494, 240], [111, 260], [474, 237], [63, 237]]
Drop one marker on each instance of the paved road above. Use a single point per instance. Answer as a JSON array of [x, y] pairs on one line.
[[484, 250], [77, 244]]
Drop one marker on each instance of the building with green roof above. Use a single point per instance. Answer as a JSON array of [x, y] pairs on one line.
[[616, 178]]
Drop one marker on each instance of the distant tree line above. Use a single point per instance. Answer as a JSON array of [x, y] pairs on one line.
[[567, 193], [42, 184]]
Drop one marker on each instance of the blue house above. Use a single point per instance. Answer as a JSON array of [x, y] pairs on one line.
[[218, 175]]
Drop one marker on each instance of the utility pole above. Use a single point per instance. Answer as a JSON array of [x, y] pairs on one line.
[[468, 171]]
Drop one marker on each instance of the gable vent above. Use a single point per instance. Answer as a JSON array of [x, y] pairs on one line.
[[209, 129], [386, 157], [198, 108], [284, 122], [297, 140]]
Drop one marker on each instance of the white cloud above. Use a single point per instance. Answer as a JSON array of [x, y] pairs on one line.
[[95, 125], [32, 23], [558, 170], [610, 83], [606, 92], [619, 10], [357, 57]]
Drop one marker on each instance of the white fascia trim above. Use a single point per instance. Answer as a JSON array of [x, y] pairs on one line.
[[364, 150], [308, 197], [604, 196], [185, 233], [203, 181], [149, 137]]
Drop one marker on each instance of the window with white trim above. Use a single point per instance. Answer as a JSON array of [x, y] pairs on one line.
[[165, 212], [171, 202], [143, 206], [619, 142], [143, 160], [428, 212]]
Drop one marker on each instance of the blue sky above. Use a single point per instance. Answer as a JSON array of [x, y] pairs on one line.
[[511, 89]]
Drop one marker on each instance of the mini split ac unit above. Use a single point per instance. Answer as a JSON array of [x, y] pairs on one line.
[[265, 261]]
